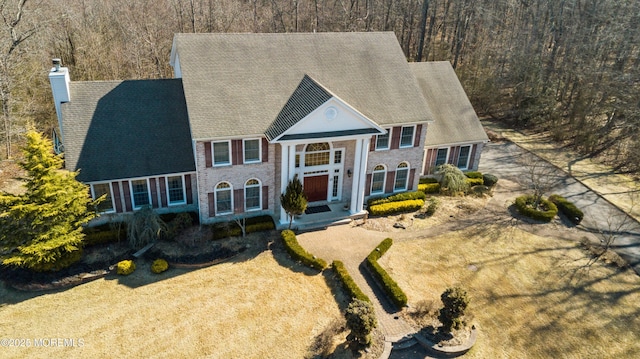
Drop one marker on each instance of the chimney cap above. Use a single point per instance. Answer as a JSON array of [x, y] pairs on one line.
[[56, 64]]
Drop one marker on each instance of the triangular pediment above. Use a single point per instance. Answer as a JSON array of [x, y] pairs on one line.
[[313, 112]]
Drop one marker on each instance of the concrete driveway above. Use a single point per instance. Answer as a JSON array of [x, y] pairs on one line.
[[509, 161]]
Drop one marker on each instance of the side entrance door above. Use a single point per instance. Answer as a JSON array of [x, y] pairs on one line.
[[316, 188]]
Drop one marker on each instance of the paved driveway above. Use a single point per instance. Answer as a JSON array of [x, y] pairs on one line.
[[507, 160]]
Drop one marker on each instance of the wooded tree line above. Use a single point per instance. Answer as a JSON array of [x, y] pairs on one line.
[[566, 66]]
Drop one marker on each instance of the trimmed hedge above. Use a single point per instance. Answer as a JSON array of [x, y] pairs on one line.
[[389, 285], [298, 253], [252, 224], [489, 180], [386, 209], [475, 181], [523, 205], [107, 236], [348, 283], [426, 180], [567, 208], [404, 196], [429, 187], [473, 174]]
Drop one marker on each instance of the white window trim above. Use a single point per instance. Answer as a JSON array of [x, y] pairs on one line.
[[388, 141], [213, 154], [259, 160], [113, 203], [133, 202], [184, 192], [215, 191], [406, 180], [413, 137], [466, 166], [259, 185], [446, 159], [384, 180]]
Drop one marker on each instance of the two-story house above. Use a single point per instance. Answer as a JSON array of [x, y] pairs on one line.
[[245, 113]]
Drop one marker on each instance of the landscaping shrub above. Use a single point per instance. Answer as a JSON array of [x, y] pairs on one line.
[[567, 208], [489, 180], [404, 196], [473, 174], [396, 207], [426, 180], [298, 253], [453, 180], [252, 224], [65, 260], [126, 267], [348, 283], [388, 284], [432, 207], [159, 265], [179, 223], [429, 187], [524, 205], [475, 181], [361, 320], [455, 301], [93, 238]]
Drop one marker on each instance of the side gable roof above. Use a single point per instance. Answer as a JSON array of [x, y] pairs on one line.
[[308, 96], [237, 84], [126, 129], [455, 119]]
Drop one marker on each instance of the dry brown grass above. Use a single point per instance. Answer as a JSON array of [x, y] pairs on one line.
[[252, 307], [530, 296]]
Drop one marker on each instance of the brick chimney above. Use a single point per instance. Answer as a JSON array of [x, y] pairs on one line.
[[59, 79]]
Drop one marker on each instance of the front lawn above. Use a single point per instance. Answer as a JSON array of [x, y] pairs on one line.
[[250, 307], [529, 294]]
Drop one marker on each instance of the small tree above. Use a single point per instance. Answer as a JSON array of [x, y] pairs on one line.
[[361, 320], [541, 177], [455, 301], [41, 229], [293, 200], [453, 180]]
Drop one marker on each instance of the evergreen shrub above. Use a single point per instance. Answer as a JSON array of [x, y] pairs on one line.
[[473, 174], [159, 265], [524, 205], [567, 208], [489, 180], [393, 290], [126, 267], [475, 181], [404, 196], [455, 301], [348, 283], [426, 180], [298, 253], [429, 187]]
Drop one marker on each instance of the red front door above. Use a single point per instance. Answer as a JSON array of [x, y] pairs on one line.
[[316, 188]]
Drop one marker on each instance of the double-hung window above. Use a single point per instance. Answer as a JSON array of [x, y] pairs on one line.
[[224, 201], [252, 151], [100, 189], [252, 195], [140, 193], [406, 137], [441, 156], [377, 179], [221, 153], [463, 157], [402, 174], [175, 190], [382, 141]]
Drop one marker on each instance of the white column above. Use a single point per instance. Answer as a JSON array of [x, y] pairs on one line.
[[284, 178], [292, 162], [363, 174], [357, 165]]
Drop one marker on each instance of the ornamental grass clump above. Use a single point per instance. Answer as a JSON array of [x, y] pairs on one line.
[[159, 266], [126, 267]]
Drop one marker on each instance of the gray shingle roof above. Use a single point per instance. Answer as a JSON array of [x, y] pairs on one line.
[[124, 129], [308, 96], [455, 119], [237, 84]]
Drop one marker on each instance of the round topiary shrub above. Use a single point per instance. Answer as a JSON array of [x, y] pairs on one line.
[[545, 211], [159, 265], [489, 179], [126, 267]]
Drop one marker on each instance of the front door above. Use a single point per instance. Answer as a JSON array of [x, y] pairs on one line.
[[316, 188]]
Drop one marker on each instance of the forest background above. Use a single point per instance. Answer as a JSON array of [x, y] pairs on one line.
[[566, 67]]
